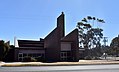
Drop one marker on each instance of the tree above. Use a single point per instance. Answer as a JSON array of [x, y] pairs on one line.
[[89, 37], [114, 46], [4, 48], [87, 34], [96, 36], [83, 27]]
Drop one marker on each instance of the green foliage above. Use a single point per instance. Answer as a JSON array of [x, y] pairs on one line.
[[29, 59], [1, 50], [4, 48], [88, 57], [114, 46], [90, 37], [40, 59]]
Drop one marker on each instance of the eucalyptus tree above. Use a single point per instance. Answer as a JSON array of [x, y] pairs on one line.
[[97, 36], [89, 37], [83, 27], [87, 33]]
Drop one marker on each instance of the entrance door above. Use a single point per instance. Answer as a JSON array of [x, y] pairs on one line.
[[65, 55]]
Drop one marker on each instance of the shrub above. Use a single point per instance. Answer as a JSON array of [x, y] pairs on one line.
[[29, 59], [95, 58], [88, 58], [40, 59]]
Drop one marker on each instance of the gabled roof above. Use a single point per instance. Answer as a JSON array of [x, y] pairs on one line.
[[51, 33], [72, 36]]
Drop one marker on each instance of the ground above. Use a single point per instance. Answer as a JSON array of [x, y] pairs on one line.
[[81, 62]]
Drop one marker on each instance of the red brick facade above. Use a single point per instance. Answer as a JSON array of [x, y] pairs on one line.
[[52, 45]]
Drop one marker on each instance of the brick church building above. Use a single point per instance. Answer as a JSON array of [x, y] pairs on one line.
[[56, 46]]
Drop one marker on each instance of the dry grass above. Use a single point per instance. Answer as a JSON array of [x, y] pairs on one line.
[[82, 62]]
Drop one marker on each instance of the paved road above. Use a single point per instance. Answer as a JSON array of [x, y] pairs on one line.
[[79, 68]]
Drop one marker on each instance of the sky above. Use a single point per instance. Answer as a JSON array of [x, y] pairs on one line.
[[34, 19]]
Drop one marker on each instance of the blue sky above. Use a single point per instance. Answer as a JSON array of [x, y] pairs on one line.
[[32, 19]]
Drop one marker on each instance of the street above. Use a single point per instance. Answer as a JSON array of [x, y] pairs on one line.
[[78, 68]]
